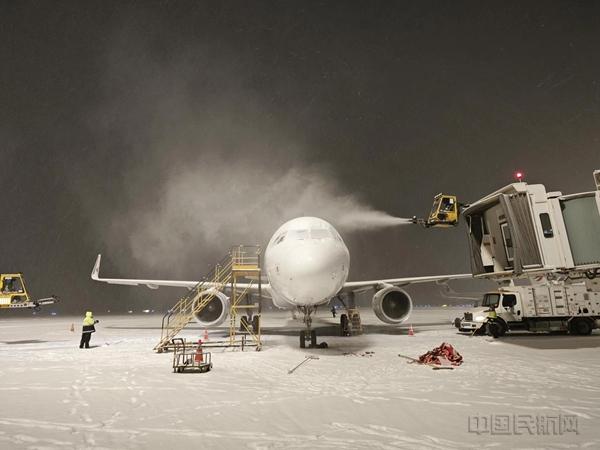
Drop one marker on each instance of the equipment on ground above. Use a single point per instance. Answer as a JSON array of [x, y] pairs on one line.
[[444, 212], [189, 357], [13, 293], [434, 366], [308, 358], [210, 306]]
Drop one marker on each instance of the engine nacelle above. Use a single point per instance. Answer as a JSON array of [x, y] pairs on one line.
[[392, 305], [217, 310]]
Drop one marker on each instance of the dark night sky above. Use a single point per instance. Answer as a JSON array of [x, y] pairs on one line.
[[161, 133]]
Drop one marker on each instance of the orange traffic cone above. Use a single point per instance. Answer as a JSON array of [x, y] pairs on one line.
[[72, 328], [199, 357], [205, 334], [411, 332]]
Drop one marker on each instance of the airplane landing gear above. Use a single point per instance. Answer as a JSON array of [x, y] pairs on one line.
[[309, 334]]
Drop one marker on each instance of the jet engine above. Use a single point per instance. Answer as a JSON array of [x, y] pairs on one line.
[[217, 310], [392, 305]]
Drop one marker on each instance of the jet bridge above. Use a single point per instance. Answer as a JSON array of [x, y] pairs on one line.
[[522, 229]]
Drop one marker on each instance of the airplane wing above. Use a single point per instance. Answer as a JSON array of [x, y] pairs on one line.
[[155, 284], [358, 286]]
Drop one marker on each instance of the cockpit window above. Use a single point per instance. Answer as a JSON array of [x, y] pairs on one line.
[[297, 235], [320, 233], [280, 239]]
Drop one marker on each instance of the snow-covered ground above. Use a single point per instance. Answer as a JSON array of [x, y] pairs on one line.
[[120, 394]]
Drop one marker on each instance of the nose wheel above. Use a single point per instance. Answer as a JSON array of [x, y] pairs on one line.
[[309, 335]]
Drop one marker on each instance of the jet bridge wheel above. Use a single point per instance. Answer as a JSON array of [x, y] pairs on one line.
[[580, 326]]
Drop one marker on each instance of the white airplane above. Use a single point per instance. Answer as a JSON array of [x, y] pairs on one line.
[[307, 265]]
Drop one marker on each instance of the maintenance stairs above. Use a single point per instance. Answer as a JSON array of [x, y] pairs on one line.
[[242, 262]]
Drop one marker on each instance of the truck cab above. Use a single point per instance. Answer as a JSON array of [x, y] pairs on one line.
[[444, 212], [507, 305], [13, 293], [12, 290]]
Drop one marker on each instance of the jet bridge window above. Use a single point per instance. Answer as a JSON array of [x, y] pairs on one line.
[[546, 225]]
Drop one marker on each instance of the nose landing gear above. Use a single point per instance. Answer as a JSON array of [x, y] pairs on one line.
[[309, 334]]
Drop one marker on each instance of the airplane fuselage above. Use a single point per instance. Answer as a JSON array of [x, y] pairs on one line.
[[306, 263]]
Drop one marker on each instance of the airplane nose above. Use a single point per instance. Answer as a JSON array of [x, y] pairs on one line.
[[315, 275]]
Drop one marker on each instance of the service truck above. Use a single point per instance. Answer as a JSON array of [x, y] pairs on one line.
[[544, 307]]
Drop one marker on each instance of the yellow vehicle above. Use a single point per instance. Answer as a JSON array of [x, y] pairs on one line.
[[13, 293], [444, 212]]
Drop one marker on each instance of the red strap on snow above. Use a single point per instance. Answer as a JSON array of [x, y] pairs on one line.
[[446, 351]]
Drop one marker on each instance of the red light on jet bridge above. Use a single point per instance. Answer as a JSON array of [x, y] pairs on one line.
[[519, 176]]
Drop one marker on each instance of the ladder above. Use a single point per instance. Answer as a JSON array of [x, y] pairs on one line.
[[195, 301]]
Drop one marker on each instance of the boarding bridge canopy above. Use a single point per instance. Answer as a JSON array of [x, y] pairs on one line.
[[582, 221], [512, 225], [518, 215]]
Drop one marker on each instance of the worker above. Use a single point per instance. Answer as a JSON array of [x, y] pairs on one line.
[[332, 310], [88, 329], [493, 328]]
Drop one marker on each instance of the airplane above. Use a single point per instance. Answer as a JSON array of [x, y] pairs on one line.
[[307, 265]]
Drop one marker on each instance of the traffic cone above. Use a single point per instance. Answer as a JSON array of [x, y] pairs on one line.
[[72, 328], [205, 334], [411, 332], [199, 357]]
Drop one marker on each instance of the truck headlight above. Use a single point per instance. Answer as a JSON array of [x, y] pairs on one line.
[[479, 318]]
